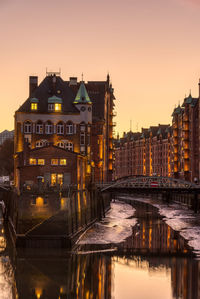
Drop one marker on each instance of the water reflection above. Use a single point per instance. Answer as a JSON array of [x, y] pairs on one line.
[[103, 276]]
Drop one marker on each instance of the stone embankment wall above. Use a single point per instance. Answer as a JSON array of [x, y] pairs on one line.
[[53, 219]]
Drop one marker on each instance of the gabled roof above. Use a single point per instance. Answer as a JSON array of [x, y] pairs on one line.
[[82, 96]]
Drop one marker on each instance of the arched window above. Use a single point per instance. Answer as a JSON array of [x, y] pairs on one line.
[[69, 128], [60, 128], [66, 144], [27, 127], [41, 143], [49, 128], [39, 127], [61, 144]]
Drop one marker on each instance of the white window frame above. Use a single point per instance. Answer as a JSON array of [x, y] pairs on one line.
[[69, 129], [27, 128], [51, 107], [39, 128], [69, 146], [49, 128], [60, 129]]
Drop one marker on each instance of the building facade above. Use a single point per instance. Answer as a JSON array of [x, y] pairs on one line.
[[63, 128], [6, 135], [144, 154]]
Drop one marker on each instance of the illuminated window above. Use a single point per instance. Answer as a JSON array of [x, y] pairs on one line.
[[53, 179], [54, 161], [33, 106], [41, 161], [60, 179], [63, 162], [58, 107], [32, 161]]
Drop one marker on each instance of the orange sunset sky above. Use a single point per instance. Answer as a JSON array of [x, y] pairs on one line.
[[151, 49]]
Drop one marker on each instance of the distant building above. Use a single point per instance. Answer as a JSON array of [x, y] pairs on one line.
[[144, 154], [64, 132], [185, 124], [6, 135]]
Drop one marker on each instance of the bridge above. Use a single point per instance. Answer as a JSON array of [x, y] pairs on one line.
[[170, 189], [151, 184]]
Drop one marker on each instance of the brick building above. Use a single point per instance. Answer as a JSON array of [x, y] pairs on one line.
[[147, 153], [185, 124], [6, 135], [63, 132]]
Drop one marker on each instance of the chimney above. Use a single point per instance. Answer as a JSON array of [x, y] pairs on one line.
[[72, 81], [33, 84]]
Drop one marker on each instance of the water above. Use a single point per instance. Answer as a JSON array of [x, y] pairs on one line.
[[130, 254]]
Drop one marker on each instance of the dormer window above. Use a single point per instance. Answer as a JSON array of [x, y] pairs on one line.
[[55, 104], [58, 107], [34, 106]]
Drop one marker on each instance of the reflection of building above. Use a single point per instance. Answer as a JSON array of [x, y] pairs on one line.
[[59, 120], [6, 135], [76, 276]]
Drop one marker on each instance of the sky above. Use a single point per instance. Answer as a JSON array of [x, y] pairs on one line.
[[151, 48]]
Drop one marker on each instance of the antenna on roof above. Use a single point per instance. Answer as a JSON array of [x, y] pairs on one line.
[[82, 77]]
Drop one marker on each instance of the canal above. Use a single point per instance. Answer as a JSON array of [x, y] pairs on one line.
[[132, 253]]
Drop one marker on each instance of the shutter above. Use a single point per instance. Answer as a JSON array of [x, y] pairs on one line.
[[54, 129], [74, 129], [33, 128]]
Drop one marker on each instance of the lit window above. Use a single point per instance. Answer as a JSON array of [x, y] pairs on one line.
[[54, 161], [32, 161], [63, 162], [53, 179], [33, 106], [57, 107], [60, 179], [41, 161]]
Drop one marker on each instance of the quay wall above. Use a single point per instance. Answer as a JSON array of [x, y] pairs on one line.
[[53, 219]]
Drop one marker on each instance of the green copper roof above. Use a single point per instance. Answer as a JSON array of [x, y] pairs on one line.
[[82, 95], [34, 100], [55, 99], [188, 100]]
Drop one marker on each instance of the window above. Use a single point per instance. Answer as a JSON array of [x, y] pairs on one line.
[[51, 107], [69, 146], [41, 161], [32, 161], [33, 106], [60, 128], [61, 144], [54, 161], [63, 162], [56, 178], [41, 143], [69, 128], [49, 128], [82, 138], [39, 128], [27, 127], [58, 107]]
